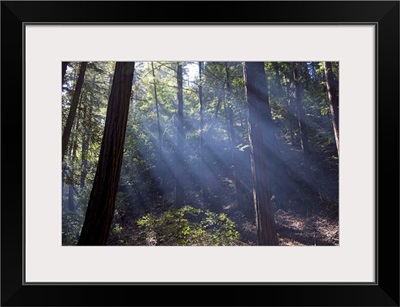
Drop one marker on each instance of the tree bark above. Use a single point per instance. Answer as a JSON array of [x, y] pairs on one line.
[[260, 137], [179, 190], [333, 100], [101, 204], [64, 71], [72, 111]]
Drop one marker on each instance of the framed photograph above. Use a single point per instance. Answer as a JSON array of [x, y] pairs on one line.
[[193, 147]]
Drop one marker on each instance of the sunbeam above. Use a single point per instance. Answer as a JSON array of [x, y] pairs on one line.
[[257, 159]]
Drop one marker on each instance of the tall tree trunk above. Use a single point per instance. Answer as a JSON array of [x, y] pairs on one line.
[[218, 104], [84, 164], [160, 156], [333, 100], [260, 137], [157, 111], [201, 110], [179, 191], [204, 184], [302, 123], [72, 156], [71, 200], [85, 146], [101, 204], [72, 111], [291, 113], [232, 136], [74, 136], [64, 71]]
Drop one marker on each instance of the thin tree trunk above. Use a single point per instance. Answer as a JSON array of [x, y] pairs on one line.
[[100, 211], [73, 142], [302, 124], [232, 136], [71, 200], [260, 137], [333, 100], [64, 71], [218, 105], [72, 111], [157, 112], [161, 162], [179, 190], [291, 114], [204, 184], [85, 147], [72, 155], [201, 110]]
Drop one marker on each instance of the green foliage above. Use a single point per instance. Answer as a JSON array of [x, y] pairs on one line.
[[211, 155], [72, 222], [324, 110], [188, 226], [117, 229]]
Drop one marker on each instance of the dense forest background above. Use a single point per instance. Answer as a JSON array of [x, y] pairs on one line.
[[200, 153]]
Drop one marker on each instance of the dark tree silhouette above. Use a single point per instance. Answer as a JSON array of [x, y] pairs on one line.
[[333, 100], [101, 204], [72, 111], [64, 71]]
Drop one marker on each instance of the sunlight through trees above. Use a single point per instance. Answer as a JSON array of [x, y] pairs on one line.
[[200, 153]]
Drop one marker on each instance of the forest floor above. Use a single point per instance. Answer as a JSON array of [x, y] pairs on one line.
[[308, 215], [296, 228], [304, 220], [314, 219]]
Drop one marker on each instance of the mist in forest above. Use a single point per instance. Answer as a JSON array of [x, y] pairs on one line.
[[211, 153]]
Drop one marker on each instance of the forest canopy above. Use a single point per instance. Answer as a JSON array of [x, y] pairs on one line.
[[200, 153]]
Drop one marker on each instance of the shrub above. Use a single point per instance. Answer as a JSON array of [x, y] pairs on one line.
[[188, 226]]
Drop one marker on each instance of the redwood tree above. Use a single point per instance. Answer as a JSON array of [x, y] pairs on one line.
[[101, 204], [72, 110], [333, 100], [261, 140]]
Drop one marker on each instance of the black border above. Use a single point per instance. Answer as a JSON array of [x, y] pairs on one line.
[[384, 14]]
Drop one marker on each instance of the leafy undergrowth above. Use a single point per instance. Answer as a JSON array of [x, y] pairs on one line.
[[306, 216], [190, 226], [186, 226]]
